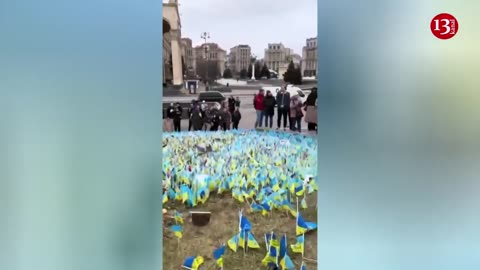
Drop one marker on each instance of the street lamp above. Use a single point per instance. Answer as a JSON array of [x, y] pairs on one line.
[[205, 36], [253, 67]]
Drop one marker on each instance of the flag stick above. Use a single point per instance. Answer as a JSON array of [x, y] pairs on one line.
[[311, 260], [245, 241], [303, 248]]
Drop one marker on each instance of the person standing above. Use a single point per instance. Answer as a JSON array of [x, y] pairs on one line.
[[226, 119], [283, 107], [231, 104], [259, 107], [311, 110], [189, 114], [197, 117], [269, 103], [216, 118], [296, 114], [177, 118], [168, 123], [236, 117], [237, 102]]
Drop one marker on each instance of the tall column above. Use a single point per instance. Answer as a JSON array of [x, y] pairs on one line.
[[176, 58]]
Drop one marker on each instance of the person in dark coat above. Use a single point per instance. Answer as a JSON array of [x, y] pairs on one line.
[[177, 118], [269, 109], [171, 111], [311, 110], [190, 113], [236, 117], [231, 104], [196, 117], [237, 102], [216, 118], [226, 119], [283, 107]]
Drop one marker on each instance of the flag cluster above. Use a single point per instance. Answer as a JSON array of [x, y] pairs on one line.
[[268, 167]]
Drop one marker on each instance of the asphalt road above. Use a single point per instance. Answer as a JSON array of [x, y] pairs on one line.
[[248, 116]]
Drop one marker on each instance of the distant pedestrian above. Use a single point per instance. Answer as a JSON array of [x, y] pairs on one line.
[[269, 110], [296, 114], [236, 117], [311, 110], [259, 107], [237, 102], [283, 107], [177, 118]]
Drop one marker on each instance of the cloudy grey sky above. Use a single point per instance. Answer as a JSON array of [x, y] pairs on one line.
[[252, 22]]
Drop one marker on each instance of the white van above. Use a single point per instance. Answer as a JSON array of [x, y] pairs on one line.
[[292, 90]]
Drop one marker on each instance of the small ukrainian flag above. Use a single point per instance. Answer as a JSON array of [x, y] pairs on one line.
[[177, 230], [299, 246], [178, 217], [218, 255], [302, 227], [193, 262]]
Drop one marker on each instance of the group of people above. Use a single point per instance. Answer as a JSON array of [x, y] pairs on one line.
[[290, 109], [204, 116]]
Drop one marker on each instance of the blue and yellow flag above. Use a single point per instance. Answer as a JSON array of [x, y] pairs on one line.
[[245, 224], [271, 257], [193, 262], [178, 217], [303, 267], [233, 243], [299, 246], [165, 198], [252, 243], [218, 255], [301, 227], [304, 203], [177, 230], [285, 261]]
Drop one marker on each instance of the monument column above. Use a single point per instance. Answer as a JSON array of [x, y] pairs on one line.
[[176, 58]]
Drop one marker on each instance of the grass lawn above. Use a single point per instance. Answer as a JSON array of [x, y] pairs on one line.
[[201, 241]]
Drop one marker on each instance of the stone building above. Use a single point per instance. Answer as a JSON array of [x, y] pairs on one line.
[[277, 56], [239, 58], [309, 58], [172, 46], [211, 55]]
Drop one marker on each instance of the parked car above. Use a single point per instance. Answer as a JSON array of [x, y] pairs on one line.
[[211, 96]]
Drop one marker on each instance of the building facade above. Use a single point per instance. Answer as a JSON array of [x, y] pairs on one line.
[[172, 51], [277, 56], [309, 58], [239, 58], [209, 60], [187, 55]]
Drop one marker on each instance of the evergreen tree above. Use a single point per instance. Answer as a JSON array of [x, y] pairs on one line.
[[243, 74], [265, 72], [227, 73], [293, 75]]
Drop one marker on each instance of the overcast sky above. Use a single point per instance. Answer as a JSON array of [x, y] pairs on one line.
[[252, 22]]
